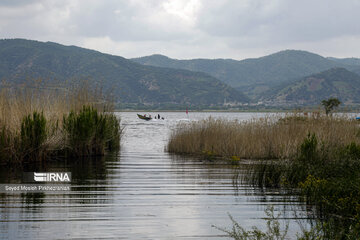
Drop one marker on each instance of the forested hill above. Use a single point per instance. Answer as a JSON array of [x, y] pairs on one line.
[[21, 60], [254, 76], [311, 90]]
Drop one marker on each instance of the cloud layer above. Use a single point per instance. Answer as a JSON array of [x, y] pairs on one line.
[[189, 28]]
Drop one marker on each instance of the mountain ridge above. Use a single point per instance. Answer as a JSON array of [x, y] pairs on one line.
[[132, 82], [311, 90], [137, 83], [253, 76]]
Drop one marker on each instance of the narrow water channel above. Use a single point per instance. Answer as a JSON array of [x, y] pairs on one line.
[[142, 193]]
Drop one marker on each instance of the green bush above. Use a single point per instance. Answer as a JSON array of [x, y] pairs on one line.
[[351, 151], [88, 132], [29, 145], [308, 149], [33, 134], [113, 144], [83, 133]]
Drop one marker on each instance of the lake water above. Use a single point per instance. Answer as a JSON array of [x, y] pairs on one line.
[[142, 193]]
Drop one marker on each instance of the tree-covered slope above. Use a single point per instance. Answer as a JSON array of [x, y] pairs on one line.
[[21, 60], [254, 76], [336, 82]]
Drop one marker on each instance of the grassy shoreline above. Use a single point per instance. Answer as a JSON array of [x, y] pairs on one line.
[[276, 137], [316, 154], [37, 125]]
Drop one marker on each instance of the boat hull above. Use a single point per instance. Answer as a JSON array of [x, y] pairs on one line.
[[143, 117]]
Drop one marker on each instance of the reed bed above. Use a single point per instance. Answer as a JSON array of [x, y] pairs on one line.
[[265, 138], [319, 156], [326, 176], [38, 123]]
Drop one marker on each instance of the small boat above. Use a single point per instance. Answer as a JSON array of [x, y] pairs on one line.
[[358, 118], [144, 117]]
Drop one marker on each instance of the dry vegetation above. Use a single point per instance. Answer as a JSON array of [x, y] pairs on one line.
[[32, 117], [318, 155], [264, 138], [17, 102]]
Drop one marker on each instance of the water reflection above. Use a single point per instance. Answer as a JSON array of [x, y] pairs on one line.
[[142, 193], [83, 170]]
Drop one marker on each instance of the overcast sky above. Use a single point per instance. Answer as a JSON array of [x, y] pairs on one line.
[[187, 29]]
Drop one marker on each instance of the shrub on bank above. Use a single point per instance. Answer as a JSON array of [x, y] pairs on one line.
[[88, 132], [28, 144], [33, 134], [38, 122]]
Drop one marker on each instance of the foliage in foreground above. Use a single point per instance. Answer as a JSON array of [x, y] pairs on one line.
[[83, 133], [318, 155], [273, 231], [33, 136], [88, 132], [38, 123], [327, 177], [319, 230]]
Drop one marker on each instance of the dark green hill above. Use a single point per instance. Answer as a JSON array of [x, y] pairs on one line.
[[336, 82], [253, 76], [130, 82]]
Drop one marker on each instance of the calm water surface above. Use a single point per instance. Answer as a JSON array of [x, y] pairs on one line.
[[142, 193]]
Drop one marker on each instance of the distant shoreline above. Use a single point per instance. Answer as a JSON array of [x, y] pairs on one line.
[[205, 110], [240, 111]]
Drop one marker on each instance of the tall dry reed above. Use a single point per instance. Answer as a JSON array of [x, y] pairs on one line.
[[264, 138], [23, 102], [317, 155]]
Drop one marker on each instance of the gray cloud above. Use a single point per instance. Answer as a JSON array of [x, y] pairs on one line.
[[121, 21], [13, 3], [188, 28], [281, 20]]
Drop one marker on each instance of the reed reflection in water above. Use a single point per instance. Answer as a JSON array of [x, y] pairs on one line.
[[142, 193]]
